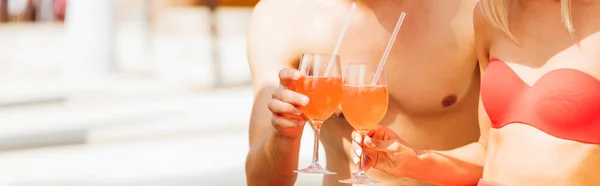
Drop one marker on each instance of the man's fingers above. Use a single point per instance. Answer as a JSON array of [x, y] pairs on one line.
[[288, 76], [290, 96], [285, 110], [280, 107], [281, 122]]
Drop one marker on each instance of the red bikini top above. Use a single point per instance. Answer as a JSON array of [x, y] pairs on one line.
[[564, 102]]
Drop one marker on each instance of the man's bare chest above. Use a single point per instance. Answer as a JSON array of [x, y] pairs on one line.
[[431, 64]]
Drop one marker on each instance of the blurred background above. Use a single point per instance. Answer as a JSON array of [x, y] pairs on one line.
[[126, 92]]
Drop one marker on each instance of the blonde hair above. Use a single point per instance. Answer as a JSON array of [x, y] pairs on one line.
[[496, 11]]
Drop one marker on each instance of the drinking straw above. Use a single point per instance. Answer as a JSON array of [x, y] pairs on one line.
[[336, 49], [388, 48]]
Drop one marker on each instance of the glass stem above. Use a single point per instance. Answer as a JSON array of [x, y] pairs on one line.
[[361, 164], [317, 128]]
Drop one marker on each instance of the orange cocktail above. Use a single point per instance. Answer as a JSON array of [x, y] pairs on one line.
[[321, 82], [364, 104], [324, 94]]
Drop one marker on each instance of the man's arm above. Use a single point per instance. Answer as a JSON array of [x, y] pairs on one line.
[[464, 165], [272, 157]]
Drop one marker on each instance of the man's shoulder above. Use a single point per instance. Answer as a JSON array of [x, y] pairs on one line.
[[277, 10], [279, 19], [296, 12], [274, 23], [295, 24], [459, 9]]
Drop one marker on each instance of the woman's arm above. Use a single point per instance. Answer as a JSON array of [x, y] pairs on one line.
[[460, 166]]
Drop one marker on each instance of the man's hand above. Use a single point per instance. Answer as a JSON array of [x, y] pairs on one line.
[[287, 119]]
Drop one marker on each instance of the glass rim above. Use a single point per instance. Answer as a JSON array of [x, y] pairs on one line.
[[363, 63], [374, 66], [320, 54], [369, 68]]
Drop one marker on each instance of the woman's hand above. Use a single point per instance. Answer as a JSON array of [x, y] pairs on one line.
[[384, 151]]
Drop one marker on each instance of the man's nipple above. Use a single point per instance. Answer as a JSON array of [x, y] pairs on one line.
[[449, 101]]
